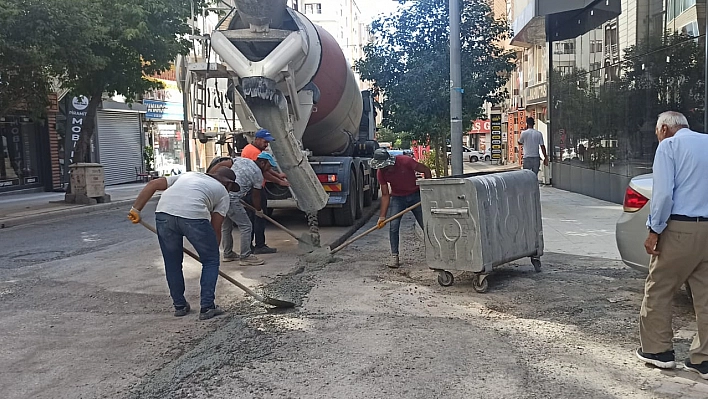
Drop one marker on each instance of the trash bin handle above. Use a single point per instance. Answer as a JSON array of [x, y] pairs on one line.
[[450, 211]]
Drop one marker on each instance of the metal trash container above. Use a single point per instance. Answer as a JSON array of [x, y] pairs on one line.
[[474, 223]]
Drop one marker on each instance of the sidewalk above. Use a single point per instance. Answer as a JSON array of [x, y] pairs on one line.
[[16, 209]]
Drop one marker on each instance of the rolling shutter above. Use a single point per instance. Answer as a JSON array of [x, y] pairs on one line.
[[120, 145]]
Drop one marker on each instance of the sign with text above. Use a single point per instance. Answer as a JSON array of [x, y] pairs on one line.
[[75, 118], [480, 126], [496, 129]]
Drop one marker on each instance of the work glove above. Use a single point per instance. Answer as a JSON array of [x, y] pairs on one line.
[[134, 215], [381, 223], [260, 214]]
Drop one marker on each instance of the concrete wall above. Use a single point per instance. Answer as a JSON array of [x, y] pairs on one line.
[[603, 185]]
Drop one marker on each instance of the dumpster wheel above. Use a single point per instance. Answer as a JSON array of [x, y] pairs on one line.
[[536, 262], [480, 283], [445, 278]]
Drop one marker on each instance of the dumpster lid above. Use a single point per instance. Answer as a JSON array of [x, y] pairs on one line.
[[460, 179]]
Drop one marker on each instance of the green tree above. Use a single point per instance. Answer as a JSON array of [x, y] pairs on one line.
[[39, 39], [131, 40], [408, 63]]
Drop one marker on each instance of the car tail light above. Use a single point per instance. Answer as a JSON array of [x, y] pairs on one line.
[[633, 201], [327, 178]]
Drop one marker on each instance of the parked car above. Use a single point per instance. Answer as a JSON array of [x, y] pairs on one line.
[[631, 230], [468, 154]]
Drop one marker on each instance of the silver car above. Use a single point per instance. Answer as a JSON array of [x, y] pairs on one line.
[[631, 230]]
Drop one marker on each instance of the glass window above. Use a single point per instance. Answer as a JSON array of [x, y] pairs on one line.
[[19, 152]]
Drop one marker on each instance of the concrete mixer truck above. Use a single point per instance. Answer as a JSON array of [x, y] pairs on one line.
[[290, 76]]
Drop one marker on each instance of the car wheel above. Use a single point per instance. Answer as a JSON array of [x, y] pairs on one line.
[[487, 158], [474, 159]]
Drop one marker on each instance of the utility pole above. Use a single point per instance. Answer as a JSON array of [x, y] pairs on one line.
[[455, 89]]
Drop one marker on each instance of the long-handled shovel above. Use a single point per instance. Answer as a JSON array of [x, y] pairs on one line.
[[278, 303], [398, 215], [304, 240]]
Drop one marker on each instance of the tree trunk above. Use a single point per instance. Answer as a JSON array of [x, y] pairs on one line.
[[83, 145]]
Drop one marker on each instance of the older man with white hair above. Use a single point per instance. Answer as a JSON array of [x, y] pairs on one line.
[[678, 234]]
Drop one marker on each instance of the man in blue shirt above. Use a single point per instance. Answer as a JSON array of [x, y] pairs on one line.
[[677, 243]]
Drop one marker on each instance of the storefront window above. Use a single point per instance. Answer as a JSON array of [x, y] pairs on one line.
[[19, 152], [605, 104]]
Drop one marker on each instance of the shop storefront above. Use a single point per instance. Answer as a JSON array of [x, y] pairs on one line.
[[478, 135], [163, 126], [21, 158], [621, 66]]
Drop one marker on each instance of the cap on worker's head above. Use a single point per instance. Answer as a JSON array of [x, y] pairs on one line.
[[265, 155], [381, 159], [227, 177], [265, 135]]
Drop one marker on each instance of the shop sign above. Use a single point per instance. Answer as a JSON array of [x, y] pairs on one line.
[[537, 94], [163, 110], [496, 127], [480, 126], [76, 115]]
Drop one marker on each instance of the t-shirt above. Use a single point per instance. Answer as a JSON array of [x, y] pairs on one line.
[[401, 176], [193, 195], [531, 139], [248, 176], [250, 152]]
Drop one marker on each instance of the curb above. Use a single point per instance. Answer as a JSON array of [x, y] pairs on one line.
[[57, 214], [366, 215]]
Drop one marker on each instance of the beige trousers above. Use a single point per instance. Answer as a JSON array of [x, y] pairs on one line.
[[683, 258]]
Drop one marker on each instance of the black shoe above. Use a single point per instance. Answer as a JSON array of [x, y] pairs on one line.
[[701, 368], [182, 310], [264, 250], [663, 360], [208, 313]]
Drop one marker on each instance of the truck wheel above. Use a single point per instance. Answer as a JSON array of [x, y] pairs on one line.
[[360, 196], [369, 195], [374, 187], [346, 215], [325, 217]]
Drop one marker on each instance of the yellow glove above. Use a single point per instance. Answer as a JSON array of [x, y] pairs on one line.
[[134, 215], [381, 223]]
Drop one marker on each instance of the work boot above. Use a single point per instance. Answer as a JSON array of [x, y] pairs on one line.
[[208, 313], [393, 262], [251, 260], [265, 249], [231, 258], [182, 310]]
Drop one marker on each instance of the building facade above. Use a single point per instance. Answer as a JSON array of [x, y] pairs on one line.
[[343, 20], [611, 67]]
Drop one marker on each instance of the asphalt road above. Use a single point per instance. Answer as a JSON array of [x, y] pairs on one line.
[[86, 315]]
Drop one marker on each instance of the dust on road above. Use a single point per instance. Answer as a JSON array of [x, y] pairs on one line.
[[366, 331]]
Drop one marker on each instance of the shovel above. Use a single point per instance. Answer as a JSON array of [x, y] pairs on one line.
[[396, 216], [304, 241], [278, 303]]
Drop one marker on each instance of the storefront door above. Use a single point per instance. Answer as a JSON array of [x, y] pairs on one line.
[[19, 153]]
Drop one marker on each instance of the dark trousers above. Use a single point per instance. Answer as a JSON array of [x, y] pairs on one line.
[[259, 224]]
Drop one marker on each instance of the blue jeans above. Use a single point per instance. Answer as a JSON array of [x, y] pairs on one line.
[[200, 233], [398, 204]]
